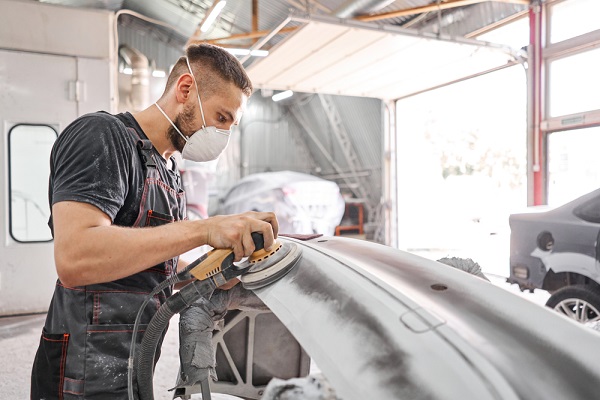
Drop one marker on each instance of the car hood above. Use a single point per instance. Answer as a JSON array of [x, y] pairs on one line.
[[381, 323]]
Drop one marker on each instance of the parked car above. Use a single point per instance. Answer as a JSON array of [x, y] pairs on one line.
[[559, 251], [303, 203]]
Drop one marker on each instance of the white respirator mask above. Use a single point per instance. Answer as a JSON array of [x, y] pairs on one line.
[[208, 142]]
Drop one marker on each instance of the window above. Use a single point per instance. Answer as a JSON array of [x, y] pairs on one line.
[[572, 164], [590, 210], [572, 18], [461, 162], [29, 149], [575, 83]]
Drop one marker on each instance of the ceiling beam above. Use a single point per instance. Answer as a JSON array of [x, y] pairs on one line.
[[246, 35], [431, 7], [255, 34], [254, 18], [198, 32], [496, 24]]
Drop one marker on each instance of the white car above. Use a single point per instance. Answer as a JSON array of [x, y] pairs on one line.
[[303, 203]]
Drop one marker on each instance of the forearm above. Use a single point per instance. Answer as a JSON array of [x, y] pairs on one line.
[[88, 249], [106, 253]]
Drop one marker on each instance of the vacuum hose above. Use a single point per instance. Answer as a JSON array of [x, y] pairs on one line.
[[154, 332], [176, 303]]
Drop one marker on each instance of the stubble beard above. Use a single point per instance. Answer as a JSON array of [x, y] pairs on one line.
[[184, 119]]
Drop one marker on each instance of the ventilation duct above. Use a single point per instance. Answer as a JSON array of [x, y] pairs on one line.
[[140, 77], [353, 8]]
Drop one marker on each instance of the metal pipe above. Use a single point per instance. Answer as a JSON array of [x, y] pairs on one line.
[[140, 77], [246, 35], [356, 7], [432, 7], [266, 38]]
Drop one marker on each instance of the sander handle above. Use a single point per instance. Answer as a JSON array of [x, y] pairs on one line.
[[218, 260]]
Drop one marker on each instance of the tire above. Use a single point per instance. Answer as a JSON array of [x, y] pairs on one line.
[[578, 302]]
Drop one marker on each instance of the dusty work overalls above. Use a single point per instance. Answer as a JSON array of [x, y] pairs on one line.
[[85, 343]]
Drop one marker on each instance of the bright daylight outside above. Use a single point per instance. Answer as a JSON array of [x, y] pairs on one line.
[[462, 162]]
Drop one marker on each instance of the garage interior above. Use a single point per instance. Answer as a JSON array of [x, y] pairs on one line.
[[436, 119]]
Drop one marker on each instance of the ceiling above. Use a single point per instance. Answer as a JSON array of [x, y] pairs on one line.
[[372, 48], [330, 56], [452, 17]]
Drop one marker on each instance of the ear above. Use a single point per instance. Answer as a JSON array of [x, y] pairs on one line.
[[183, 87]]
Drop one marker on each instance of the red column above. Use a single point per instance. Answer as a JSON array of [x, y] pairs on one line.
[[538, 161]]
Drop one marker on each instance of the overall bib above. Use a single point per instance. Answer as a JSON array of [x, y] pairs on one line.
[[84, 347]]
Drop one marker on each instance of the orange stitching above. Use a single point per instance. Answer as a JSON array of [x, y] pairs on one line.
[[63, 361], [52, 340]]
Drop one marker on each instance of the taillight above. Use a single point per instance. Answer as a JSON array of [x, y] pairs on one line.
[[520, 272]]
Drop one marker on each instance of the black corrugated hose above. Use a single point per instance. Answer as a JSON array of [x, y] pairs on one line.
[[174, 305], [180, 277]]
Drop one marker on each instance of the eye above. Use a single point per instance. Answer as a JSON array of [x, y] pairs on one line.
[[222, 119]]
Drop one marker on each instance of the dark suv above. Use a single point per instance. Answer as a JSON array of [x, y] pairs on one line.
[[559, 251]]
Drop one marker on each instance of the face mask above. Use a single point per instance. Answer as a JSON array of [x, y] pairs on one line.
[[206, 144]]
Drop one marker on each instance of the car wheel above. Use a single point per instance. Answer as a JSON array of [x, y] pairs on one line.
[[579, 302]]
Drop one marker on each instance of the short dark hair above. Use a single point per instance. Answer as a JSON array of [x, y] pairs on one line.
[[211, 65]]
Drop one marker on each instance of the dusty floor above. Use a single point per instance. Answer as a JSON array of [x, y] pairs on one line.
[[19, 338]]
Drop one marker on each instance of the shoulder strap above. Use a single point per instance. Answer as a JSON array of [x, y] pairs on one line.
[[144, 146], [145, 150]]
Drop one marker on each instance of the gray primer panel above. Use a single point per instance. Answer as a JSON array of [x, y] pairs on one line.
[[349, 322]]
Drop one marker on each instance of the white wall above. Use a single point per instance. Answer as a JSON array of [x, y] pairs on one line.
[[55, 65]]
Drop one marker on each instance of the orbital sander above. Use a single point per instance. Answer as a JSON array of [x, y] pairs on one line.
[[268, 267], [260, 269], [208, 272]]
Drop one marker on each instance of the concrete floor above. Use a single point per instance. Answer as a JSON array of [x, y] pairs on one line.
[[19, 336]]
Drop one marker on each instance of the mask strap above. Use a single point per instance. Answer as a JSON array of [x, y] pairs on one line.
[[169, 119], [197, 92]]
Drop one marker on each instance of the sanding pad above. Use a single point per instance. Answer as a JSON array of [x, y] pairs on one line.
[[273, 267]]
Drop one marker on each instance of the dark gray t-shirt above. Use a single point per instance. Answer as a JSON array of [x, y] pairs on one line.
[[95, 160]]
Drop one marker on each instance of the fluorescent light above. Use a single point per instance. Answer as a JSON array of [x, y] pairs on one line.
[[245, 52], [282, 95], [158, 73], [259, 53], [127, 71], [212, 16]]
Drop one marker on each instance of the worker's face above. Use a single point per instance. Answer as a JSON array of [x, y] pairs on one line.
[[222, 109]]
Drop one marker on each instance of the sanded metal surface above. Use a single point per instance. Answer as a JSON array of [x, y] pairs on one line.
[[273, 268], [382, 323]]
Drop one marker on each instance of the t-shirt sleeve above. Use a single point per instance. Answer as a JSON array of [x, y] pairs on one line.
[[90, 163]]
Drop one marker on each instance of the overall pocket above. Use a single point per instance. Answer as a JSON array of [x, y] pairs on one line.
[[107, 358], [155, 218], [49, 367]]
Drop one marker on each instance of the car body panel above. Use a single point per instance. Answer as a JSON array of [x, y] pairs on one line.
[[381, 323], [575, 246]]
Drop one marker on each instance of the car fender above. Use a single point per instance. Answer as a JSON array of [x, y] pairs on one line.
[[581, 264]]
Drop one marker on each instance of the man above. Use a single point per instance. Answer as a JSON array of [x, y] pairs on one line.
[[118, 221]]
